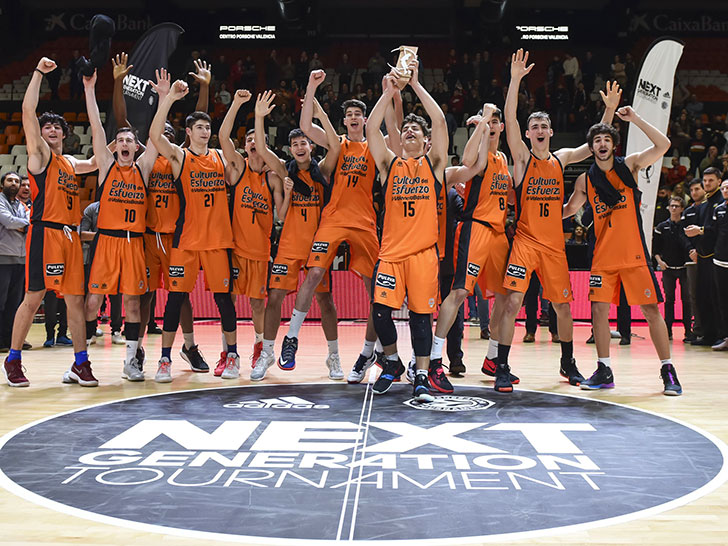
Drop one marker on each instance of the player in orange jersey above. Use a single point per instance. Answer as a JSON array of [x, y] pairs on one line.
[[54, 258], [538, 245], [117, 252], [255, 189], [299, 228], [621, 258], [203, 234], [348, 216]]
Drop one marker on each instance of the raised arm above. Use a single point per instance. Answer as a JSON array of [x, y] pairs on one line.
[[472, 153], [149, 156], [660, 143], [264, 106], [38, 150], [519, 69], [282, 190], [203, 76], [156, 131], [382, 155], [104, 158], [312, 131], [577, 199], [439, 138], [332, 139], [234, 159], [118, 103], [393, 121]]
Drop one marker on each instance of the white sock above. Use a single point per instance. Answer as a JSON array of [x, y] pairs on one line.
[[421, 372], [667, 360], [269, 346], [413, 360], [606, 360], [190, 339], [437, 345], [131, 349], [492, 349], [333, 346], [378, 346], [393, 357], [368, 349], [258, 337], [297, 318]]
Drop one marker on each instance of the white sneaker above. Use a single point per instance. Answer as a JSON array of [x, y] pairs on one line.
[[357, 373], [98, 332], [261, 366], [333, 363], [117, 338], [411, 370], [164, 371], [232, 367], [133, 370]]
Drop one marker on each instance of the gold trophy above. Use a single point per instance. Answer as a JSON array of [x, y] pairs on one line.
[[406, 55]]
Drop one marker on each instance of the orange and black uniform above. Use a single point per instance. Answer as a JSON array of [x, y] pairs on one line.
[[538, 245], [481, 245], [251, 207], [408, 258], [53, 245], [297, 238], [349, 215], [162, 214], [117, 252], [620, 253]]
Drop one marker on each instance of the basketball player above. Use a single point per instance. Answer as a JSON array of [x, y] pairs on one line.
[[255, 189], [54, 257], [408, 257], [621, 258], [117, 253], [203, 232], [299, 228], [538, 245], [348, 216]]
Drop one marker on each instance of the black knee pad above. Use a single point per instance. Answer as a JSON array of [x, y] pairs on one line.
[[227, 311], [383, 324], [171, 311], [421, 330]]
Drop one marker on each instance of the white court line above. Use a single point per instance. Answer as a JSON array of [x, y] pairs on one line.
[[361, 466]]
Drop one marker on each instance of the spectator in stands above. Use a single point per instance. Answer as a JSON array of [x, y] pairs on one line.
[[553, 74], [680, 133], [296, 98], [315, 63], [630, 69], [72, 143], [376, 69], [560, 103], [710, 160], [588, 72], [571, 72], [694, 106], [697, 150], [222, 69], [236, 74], [288, 70], [452, 70], [250, 74], [671, 249], [619, 72], [452, 125], [24, 193], [580, 106], [675, 174], [14, 222], [472, 102], [344, 92], [457, 104], [283, 95], [662, 211], [440, 94], [578, 236], [74, 82], [223, 95], [345, 70], [282, 119], [466, 72], [486, 67], [272, 70], [54, 79]]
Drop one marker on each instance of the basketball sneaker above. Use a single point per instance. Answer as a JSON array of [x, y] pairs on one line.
[[602, 378], [357, 373], [63, 340], [164, 371], [421, 389], [117, 338], [569, 370], [232, 367], [437, 378], [333, 363], [261, 366], [669, 379], [194, 358], [411, 370], [257, 349], [457, 368], [287, 360], [391, 372], [220, 366], [133, 370], [503, 381], [489, 367], [13, 370], [81, 374]]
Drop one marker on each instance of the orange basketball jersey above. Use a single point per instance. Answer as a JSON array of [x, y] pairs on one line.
[[204, 219], [410, 209], [302, 220], [620, 242], [540, 198], [163, 201], [351, 203], [55, 193], [252, 214], [486, 196], [123, 199]]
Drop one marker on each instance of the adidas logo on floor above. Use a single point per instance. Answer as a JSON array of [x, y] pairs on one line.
[[284, 402]]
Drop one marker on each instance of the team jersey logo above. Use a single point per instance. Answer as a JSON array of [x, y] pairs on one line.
[[236, 273], [279, 269], [320, 247], [595, 281], [55, 270], [176, 271], [386, 281], [473, 269], [517, 271]]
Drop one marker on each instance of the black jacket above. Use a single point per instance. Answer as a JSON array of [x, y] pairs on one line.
[[671, 243], [716, 233]]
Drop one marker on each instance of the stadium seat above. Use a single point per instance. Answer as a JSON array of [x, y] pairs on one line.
[[14, 139], [83, 117], [85, 139], [12, 129], [19, 149], [16, 116], [6, 159], [79, 130], [69, 116]]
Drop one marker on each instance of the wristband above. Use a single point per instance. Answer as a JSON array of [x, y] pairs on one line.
[[39, 71]]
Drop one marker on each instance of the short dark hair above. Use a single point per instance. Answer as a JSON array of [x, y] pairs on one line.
[[52, 118], [419, 120], [5, 175], [538, 115], [128, 130], [197, 116], [354, 103], [714, 171], [695, 181], [249, 131], [296, 133], [679, 199], [602, 129]]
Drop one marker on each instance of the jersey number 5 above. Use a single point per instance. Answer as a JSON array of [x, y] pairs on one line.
[[409, 208]]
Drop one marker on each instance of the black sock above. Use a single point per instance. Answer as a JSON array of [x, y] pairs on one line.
[[503, 351], [90, 328], [131, 331], [567, 350]]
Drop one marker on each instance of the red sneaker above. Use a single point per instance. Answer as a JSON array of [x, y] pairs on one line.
[[81, 374], [488, 367], [257, 349], [13, 370], [220, 366]]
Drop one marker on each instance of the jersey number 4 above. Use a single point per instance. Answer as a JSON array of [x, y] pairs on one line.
[[161, 201]]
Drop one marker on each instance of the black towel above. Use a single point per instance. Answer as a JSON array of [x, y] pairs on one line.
[[102, 29], [299, 185], [607, 193]]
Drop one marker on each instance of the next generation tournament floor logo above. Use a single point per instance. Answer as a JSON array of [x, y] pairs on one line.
[[333, 462]]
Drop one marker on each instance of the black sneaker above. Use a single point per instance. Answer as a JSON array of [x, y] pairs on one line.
[[391, 372], [590, 339], [141, 357], [457, 368], [421, 390], [503, 378], [438, 379], [602, 378], [489, 367], [359, 370], [195, 359], [287, 360], [669, 379], [569, 370]]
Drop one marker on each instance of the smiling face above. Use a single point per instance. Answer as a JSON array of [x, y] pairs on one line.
[[539, 132], [603, 147], [413, 139], [300, 149], [199, 133], [354, 120], [52, 133]]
